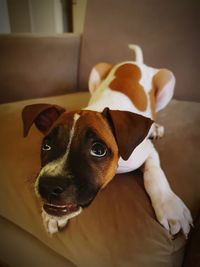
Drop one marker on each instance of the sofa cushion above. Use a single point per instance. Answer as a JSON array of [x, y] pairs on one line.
[[119, 228], [27, 251], [192, 255]]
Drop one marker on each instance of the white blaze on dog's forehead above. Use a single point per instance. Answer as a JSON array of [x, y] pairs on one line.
[[76, 117], [56, 167]]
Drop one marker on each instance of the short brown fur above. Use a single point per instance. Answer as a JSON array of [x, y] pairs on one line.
[[126, 81]]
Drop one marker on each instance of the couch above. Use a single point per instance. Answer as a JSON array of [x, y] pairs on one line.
[[119, 228]]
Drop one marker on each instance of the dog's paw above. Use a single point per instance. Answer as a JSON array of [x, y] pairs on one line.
[[157, 131], [173, 214], [52, 224]]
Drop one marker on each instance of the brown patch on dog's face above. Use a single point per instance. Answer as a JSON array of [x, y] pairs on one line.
[[126, 81], [83, 159]]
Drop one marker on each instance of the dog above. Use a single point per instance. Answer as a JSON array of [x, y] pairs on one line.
[[82, 150]]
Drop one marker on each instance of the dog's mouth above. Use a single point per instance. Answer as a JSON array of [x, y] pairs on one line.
[[60, 210]]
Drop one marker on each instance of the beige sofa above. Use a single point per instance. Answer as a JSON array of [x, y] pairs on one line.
[[119, 229]]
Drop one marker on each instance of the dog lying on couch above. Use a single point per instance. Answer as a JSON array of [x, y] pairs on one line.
[[82, 150]]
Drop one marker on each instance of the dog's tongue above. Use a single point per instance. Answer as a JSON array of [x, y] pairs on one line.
[[60, 210]]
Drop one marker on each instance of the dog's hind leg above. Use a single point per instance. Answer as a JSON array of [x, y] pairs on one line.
[[164, 82], [170, 210], [157, 131], [160, 95]]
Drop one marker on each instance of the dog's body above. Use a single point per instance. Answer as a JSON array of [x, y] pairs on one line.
[[112, 134], [114, 92]]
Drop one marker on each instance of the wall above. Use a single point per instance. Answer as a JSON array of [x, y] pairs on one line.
[[19, 15], [46, 16], [42, 16], [4, 19], [36, 16], [79, 10]]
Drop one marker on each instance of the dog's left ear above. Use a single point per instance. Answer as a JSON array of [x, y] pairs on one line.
[[129, 129], [43, 115]]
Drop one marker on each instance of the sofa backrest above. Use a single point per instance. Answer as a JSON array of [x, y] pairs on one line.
[[34, 66], [167, 31]]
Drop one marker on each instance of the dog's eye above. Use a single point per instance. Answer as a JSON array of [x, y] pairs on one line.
[[46, 146], [98, 150]]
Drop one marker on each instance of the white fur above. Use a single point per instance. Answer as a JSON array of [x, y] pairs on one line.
[[137, 158], [138, 52], [157, 131], [94, 81], [53, 223]]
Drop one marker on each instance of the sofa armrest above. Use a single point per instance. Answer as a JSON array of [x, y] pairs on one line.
[[33, 66]]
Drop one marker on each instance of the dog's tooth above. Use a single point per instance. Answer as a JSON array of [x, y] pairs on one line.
[[56, 206], [59, 206]]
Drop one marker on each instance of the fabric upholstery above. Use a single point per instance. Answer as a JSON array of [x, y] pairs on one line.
[[25, 249], [167, 31], [33, 66], [119, 228], [192, 255]]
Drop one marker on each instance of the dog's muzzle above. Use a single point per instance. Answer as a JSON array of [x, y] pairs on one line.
[[58, 195]]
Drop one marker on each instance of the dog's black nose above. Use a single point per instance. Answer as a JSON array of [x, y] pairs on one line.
[[51, 188]]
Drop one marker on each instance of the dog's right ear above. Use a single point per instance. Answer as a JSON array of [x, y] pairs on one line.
[[97, 74], [129, 129], [43, 115]]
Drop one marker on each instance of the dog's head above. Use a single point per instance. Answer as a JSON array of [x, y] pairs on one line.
[[80, 152]]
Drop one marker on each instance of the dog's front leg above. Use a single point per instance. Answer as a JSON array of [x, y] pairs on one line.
[[170, 210]]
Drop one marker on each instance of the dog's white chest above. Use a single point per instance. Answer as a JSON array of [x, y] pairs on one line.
[[137, 158]]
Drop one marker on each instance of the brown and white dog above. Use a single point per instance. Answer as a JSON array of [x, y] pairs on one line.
[[83, 150]]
